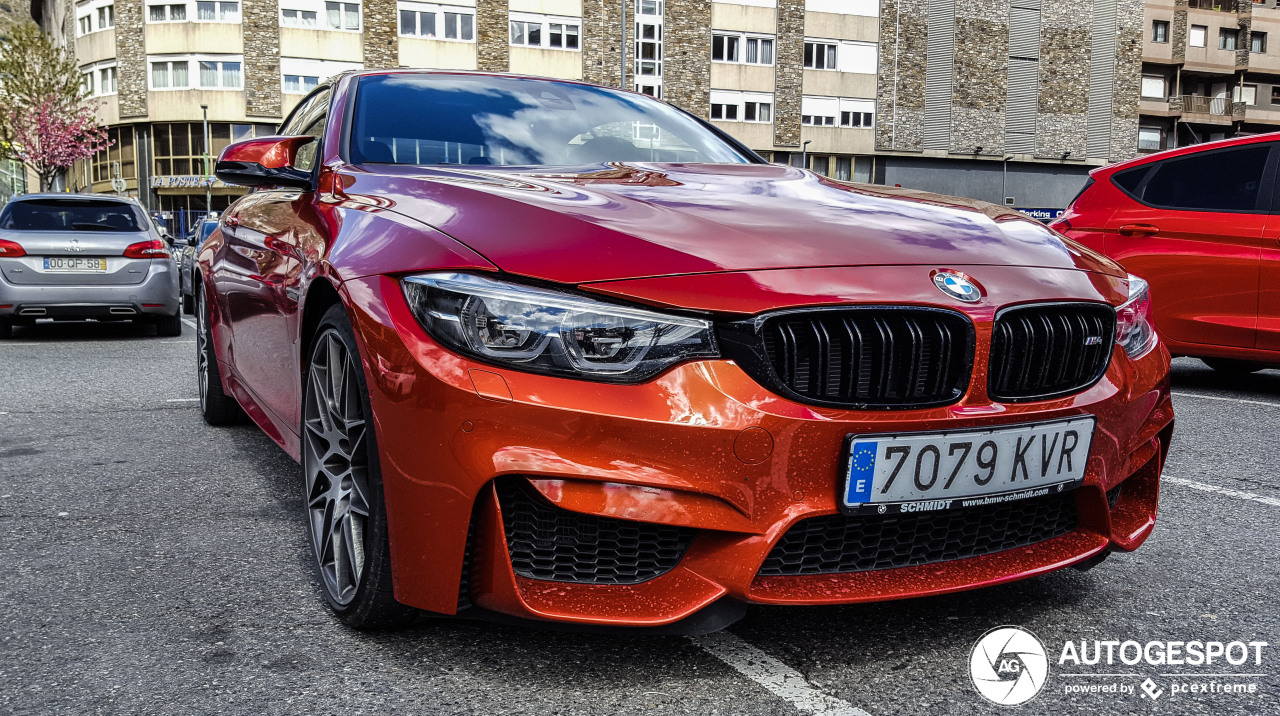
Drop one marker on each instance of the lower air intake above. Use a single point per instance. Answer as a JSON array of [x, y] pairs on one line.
[[557, 545], [839, 543]]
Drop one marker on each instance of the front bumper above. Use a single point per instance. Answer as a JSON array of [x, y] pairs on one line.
[[702, 447], [155, 295]]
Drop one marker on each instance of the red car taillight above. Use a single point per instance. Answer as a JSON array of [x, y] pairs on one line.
[[11, 249], [153, 249]]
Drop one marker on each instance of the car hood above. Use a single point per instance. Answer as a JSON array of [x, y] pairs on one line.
[[625, 221]]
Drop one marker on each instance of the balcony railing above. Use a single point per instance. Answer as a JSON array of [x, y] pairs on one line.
[[1206, 105], [1219, 5]]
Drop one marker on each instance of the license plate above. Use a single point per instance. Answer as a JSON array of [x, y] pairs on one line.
[[918, 472], [58, 263]]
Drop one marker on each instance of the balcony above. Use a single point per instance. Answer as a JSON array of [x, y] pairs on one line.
[[1195, 104], [1216, 5]]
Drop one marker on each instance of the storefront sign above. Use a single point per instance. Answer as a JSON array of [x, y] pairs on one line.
[[1045, 215], [184, 182]]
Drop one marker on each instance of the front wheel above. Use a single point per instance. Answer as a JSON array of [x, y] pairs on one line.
[[346, 515], [1231, 366]]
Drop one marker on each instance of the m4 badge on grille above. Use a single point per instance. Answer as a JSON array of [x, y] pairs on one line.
[[956, 286], [1093, 340]]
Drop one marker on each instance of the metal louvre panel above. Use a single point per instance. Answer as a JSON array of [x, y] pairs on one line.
[[1049, 350], [837, 544], [1024, 32], [1021, 104], [1102, 71], [939, 75], [892, 357]]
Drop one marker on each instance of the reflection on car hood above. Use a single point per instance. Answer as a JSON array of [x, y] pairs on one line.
[[619, 221]]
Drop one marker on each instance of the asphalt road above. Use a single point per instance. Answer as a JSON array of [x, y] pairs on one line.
[[157, 565]]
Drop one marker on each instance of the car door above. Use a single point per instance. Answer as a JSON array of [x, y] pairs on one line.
[[1194, 231], [1269, 286], [264, 272]]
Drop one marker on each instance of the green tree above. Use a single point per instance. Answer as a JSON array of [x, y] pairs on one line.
[[36, 78]]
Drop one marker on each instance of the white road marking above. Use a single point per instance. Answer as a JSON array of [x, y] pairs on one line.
[[189, 322], [1226, 491], [181, 400], [1181, 394], [781, 680]]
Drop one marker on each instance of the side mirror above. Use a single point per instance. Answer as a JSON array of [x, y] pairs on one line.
[[264, 161]]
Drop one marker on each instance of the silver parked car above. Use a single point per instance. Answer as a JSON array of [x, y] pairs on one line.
[[80, 256]]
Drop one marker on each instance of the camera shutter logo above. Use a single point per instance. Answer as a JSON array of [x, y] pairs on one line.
[[1009, 666]]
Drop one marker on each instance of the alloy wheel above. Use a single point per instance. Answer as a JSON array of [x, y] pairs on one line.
[[202, 357], [335, 459]]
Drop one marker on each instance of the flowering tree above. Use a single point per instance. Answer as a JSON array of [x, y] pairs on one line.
[[49, 139], [43, 118]]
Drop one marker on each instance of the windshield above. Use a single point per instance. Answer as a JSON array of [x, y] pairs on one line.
[[484, 120], [69, 215]]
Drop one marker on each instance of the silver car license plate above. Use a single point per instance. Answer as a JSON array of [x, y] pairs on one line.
[[917, 472], [59, 263]]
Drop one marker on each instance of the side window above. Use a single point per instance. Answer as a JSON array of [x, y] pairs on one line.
[[309, 120], [1213, 181]]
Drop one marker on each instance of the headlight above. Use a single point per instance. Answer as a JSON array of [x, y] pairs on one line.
[[545, 331], [1135, 329]]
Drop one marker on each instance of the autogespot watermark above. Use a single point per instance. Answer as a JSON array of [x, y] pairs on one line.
[[1010, 666]]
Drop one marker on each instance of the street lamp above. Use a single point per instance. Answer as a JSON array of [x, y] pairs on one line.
[[804, 152], [208, 185]]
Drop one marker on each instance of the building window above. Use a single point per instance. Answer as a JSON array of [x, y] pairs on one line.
[[722, 111], [1153, 86], [650, 7], [748, 49], [106, 17], [107, 80], [298, 18], [1227, 38], [217, 11], [460, 26], [342, 15], [757, 112], [1258, 42], [815, 120], [86, 25], [1149, 138], [548, 32], [819, 56], [1198, 35], [1247, 94], [741, 106], [1160, 31], [117, 160], [166, 13], [1275, 94], [418, 24], [169, 74], [216, 72], [857, 119], [220, 74], [86, 82], [300, 84]]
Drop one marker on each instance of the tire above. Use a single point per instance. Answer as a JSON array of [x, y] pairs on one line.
[[216, 406], [1231, 366], [6, 328], [169, 326], [188, 305], [351, 551]]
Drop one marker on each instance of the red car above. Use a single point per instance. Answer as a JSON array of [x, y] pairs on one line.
[[1199, 225], [558, 352]]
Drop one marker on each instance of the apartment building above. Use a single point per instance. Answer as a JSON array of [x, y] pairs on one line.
[[990, 92], [1209, 71]]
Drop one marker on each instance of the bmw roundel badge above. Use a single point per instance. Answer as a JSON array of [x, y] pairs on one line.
[[956, 286]]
